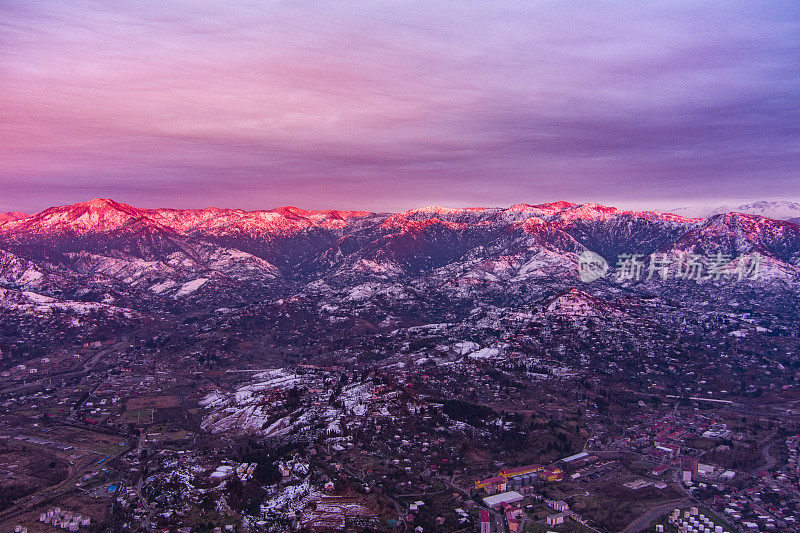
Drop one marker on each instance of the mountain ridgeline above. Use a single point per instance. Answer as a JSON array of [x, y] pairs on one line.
[[122, 257]]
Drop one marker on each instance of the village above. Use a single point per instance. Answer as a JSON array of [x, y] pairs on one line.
[[505, 421]]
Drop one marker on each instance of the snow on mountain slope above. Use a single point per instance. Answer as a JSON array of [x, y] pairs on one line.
[[239, 265], [101, 216], [27, 302], [94, 216], [163, 253], [737, 234], [370, 290], [166, 271], [578, 303], [527, 250], [131, 271], [105, 238], [190, 286], [611, 232], [412, 239], [777, 210], [214, 222], [781, 210], [570, 304], [438, 215], [19, 272], [12, 216]]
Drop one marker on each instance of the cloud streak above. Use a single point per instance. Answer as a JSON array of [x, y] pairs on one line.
[[388, 105]]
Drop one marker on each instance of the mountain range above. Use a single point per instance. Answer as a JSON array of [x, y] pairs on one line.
[[112, 257], [778, 210]]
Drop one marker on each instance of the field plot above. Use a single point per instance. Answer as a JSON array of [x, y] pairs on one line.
[[55, 466], [142, 411], [152, 402], [26, 468]]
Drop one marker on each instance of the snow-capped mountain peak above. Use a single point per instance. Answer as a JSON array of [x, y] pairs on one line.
[[777, 209], [12, 216], [97, 215]]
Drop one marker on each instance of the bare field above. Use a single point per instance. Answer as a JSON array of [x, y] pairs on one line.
[[152, 402], [26, 469]]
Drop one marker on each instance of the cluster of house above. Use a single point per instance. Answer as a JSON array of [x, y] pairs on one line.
[[58, 362], [243, 471], [692, 521], [750, 509], [126, 496], [170, 484], [93, 344], [64, 519], [662, 436], [770, 504], [337, 512], [793, 461]]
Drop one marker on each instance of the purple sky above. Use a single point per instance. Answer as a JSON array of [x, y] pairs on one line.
[[393, 105]]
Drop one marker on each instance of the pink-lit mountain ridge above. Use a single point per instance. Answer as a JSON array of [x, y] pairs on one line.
[[117, 254]]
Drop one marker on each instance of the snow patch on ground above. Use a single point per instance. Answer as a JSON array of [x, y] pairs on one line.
[[366, 291], [485, 353], [465, 347], [190, 286], [261, 407], [158, 288]]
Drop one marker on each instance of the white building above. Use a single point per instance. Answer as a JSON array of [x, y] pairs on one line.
[[504, 497]]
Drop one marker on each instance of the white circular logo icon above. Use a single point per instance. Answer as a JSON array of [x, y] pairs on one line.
[[591, 266]]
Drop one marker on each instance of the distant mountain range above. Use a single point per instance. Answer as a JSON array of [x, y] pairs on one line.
[[103, 255], [778, 210]]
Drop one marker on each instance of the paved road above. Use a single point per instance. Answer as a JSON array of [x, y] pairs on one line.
[[644, 521]]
